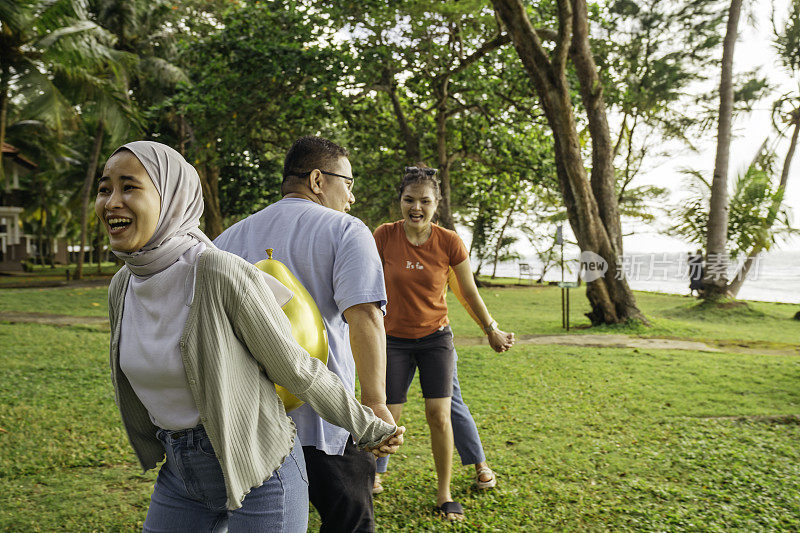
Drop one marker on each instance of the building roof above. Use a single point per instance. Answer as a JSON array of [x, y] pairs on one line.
[[12, 152]]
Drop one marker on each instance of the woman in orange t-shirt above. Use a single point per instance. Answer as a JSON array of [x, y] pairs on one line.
[[417, 256]]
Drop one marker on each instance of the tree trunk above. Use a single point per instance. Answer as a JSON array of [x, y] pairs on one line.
[[4, 80], [42, 217], [182, 135], [738, 280], [478, 235], [410, 139], [715, 281], [40, 235], [212, 216], [51, 244], [91, 173], [51, 254], [499, 242], [610, 297], [442, 159], [603, 179]]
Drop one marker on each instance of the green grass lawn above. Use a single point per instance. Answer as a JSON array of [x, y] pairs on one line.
[[44, 274], [525, 310], [537, 311], [76, 301], [581, 439]]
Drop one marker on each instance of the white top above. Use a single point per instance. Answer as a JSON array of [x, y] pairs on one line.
[[153, 320], [155, 313]]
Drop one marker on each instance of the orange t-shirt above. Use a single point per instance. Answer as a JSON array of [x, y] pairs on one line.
[[416, 278]]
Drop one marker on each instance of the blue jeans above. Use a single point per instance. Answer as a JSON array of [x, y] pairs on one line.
[[189, 493], [465, 432]]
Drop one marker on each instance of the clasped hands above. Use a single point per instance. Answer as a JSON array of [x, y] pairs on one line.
[[389, 445], [392, 442], [500, 341]]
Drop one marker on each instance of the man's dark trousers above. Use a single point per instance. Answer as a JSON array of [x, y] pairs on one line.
[[340, 488]]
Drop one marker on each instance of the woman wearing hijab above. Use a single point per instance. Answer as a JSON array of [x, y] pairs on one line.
[[198, 341]]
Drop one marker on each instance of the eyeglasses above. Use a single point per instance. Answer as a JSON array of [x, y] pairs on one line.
[[348, 178], [424, 170]]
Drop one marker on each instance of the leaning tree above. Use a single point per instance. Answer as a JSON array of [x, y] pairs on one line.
[[715, 280], [591, 201], [786, 110]]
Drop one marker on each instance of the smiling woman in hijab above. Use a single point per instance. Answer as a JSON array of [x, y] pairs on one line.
[[198, 342]]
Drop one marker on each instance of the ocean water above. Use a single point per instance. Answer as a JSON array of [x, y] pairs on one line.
[[774, 278]]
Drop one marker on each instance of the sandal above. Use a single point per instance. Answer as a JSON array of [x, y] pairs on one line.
[[450, 508], [377, 486], [483, 485]]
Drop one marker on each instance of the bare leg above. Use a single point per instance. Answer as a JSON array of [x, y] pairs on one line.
[[437, 411]]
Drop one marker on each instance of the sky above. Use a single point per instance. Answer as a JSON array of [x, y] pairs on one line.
[[753, 50]]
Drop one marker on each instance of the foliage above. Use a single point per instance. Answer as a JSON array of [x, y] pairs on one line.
[[650, 54], [48, 48], [439, 96], [642, 202], [754, 203], [232, 83], [787, 42], [691, 215], [260, 78], [756, 200], [655, 59]]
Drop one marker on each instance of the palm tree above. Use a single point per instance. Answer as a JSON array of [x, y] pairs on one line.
[[142, 28], [45, 212], [59, 63], [791, 117], [132, 71], [138, 29], [755, 220], [108, 116], [786, 110], [44, 47], [716, 278]]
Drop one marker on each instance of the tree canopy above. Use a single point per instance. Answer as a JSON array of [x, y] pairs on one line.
[[231, 84]]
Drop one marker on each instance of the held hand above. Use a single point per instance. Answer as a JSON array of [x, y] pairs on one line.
[[500, 341], [390, 445]]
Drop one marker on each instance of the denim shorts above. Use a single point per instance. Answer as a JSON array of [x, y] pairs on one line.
[[433, 354]]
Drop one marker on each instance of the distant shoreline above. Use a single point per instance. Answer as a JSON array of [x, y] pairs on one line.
[[776, 278]]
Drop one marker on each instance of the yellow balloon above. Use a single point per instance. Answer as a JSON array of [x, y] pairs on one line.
[[308, 329]]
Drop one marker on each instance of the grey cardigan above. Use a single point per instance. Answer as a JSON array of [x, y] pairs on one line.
[[237, 343]]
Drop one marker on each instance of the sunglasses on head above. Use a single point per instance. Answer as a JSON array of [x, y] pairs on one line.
[[424, 170]]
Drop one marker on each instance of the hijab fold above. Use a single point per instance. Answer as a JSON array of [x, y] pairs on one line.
[[178, 228]]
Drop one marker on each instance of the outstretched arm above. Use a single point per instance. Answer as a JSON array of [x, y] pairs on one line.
[[368, 342], [467, 293]]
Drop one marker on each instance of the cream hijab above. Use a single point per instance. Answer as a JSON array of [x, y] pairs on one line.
[[178, 228]]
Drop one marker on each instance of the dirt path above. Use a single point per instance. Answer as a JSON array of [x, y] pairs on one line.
[[15, 317], [600, 341], [640, 343], [51, 283]]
